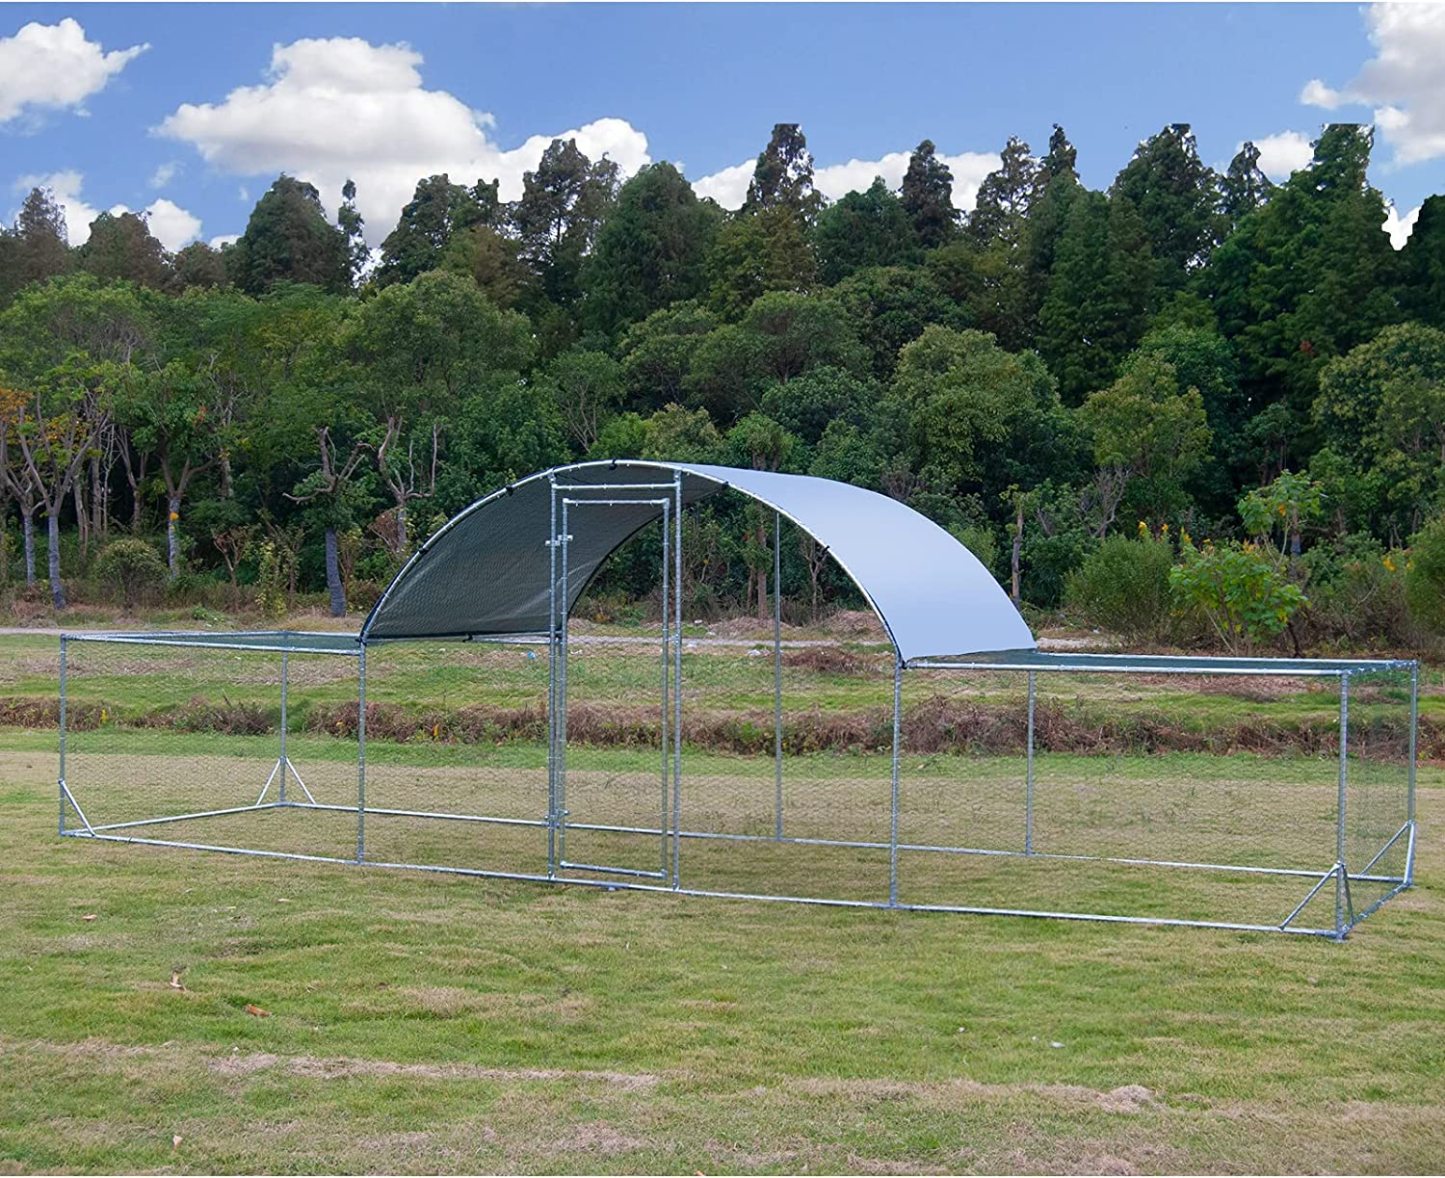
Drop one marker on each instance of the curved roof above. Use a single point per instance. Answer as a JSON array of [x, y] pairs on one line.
[[485, 573]]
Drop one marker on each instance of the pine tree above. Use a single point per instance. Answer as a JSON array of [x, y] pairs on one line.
[[560, 213], [289, 239], [1244, 187], [783, 175], [1005, 196], [40, 231], [1061, 158], [1422, 265], [927, 196], [1176, 194]]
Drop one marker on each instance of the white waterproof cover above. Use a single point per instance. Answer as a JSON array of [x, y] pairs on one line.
[[485, 574]]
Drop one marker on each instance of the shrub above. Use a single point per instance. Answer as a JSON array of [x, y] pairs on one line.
[[1357, 595], [131, 570], [1123, 586], [1238, 589], [1425, 576]]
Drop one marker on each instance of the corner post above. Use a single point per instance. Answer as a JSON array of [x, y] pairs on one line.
[[552, 683], [1341, 882], [1029, 769], [361, 754], [666, 703], [1410, 787], [677, 681], [284, 762], [63, 718], [894, 798], [778, 674]]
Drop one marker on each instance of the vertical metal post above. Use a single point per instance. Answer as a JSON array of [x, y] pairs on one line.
[[778, 674], [284, 763], [63, 718], [361, 755], [893, 808], [1029, 770], [677, 682], [666, 703], [563, 612], [1410, 786], [552, 684], [1340, 883]]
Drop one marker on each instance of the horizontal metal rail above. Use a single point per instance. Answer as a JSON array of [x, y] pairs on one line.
[[618, 885], [720, 836]]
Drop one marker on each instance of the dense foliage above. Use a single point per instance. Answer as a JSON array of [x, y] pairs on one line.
[[1208, 355]]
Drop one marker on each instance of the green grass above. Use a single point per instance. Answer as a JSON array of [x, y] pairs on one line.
[[421, 1022]]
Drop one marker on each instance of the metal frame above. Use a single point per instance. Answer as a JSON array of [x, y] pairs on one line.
[[670, 831]]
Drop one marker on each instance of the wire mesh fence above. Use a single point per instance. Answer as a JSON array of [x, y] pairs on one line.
[[1259, 794]]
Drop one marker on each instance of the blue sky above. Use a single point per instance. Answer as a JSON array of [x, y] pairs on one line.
[[222, 97]]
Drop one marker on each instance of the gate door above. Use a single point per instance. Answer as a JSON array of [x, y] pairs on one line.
[[611, 794]]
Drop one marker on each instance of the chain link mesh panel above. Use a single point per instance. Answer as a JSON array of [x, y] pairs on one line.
[[1199, 797], [186, 744]]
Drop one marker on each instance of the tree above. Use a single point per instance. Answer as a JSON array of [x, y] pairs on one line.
[[289, 239], [927, 197], [68, 346], [586, 387], [651, 251], [1383, 407], [1061, 158], [783, 175], [425, 350], [808, 405], [1146, 430], [43, 250], [166, 413], [1098, 294], [781, 337], [1244, 187], [563, 204], [1422, 265], [863, 229], [753, 254], [1286, 504], [1177, 196], [1306, 278], [978, 418], [657, 354], [1005, 197], [889, 306], [436, 213], [351, 224], [1202, 359], [197, 265], [122, 247]]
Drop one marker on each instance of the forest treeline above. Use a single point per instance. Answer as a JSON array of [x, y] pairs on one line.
[[1195, 406]]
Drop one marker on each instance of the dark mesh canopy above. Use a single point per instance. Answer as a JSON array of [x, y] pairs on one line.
[[486, 573]]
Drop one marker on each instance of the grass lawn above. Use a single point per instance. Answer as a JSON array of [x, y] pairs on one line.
[[416, 1022]]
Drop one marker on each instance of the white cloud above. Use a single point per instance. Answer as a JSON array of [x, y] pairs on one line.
[[1399, 228], [1403, 84], [1284, 153], [164, 174], [225, 239], [729, 187], [55, 66], [172, 225], [1316, 93], [342, 108]]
